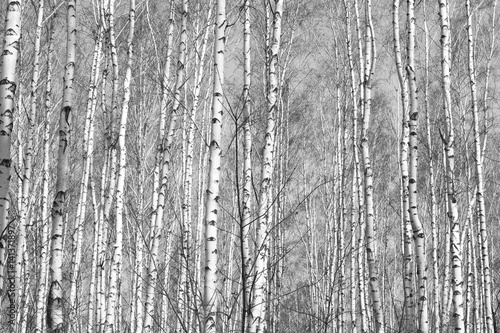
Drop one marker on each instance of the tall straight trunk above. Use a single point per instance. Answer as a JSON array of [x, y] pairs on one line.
[[477, 295], [91, 303], [449, 141], [55, 319], [409, 303], [418, 231], [212, 198], [370, 57], [359, 182], [246, 217], [354, 187], [341, 157], [28, 161], [202, 176], [7, 92], [259, 298], [108, 187], [44, 247], [432, 190], [487, 75], [163, 115], [481, 211], [113, 306], [445, 297], [185, 290]]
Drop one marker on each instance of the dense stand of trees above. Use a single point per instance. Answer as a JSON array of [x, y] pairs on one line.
[[239, 166]]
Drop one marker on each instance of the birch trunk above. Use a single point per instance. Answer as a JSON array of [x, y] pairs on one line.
[[7, 91], [113, 306], [354, 188], [212, 205], [28, 164], [418, 231], [246, 218], [481, 211], [432, 190], [370, 57], [456, 246], [259, 297], [45, 243], [408, 310], [55, 319]]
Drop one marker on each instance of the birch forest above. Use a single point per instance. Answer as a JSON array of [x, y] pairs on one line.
[[266, 166]]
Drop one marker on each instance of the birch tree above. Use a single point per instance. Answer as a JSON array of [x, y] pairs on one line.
[[115, 275], [7, 90], [370, 57], [44, 249], [418, 232], [27, 181], [481, 210], [247, 167], [257, 316], [405, 209], [212, 194], [55, 318], [456, 246]]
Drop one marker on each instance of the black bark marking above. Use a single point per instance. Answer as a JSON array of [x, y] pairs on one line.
[[6, 162]]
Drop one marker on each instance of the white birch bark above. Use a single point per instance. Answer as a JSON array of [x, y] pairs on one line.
[[7, 90], [212, 205], [45, 242], [354, 188], [418, 231], [113, 306], [368, 172], [481, 211], [432, 191], [247, 168], [55, 318], [409, 315], [259, 297], [91, 303], [21, 255], [156, 181], [356, 201], [449, 140]]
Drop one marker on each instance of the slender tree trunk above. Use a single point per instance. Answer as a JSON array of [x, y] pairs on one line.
[[45, 242], [113, 302], [409, 303], [246, 218], [55, 318], [486, 273], [368, 172], [212, 205], [354, 188], [28, 164], [418, 231], [432, 190], [91, 304], [259, 298], [449, 140], [7, 92]]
